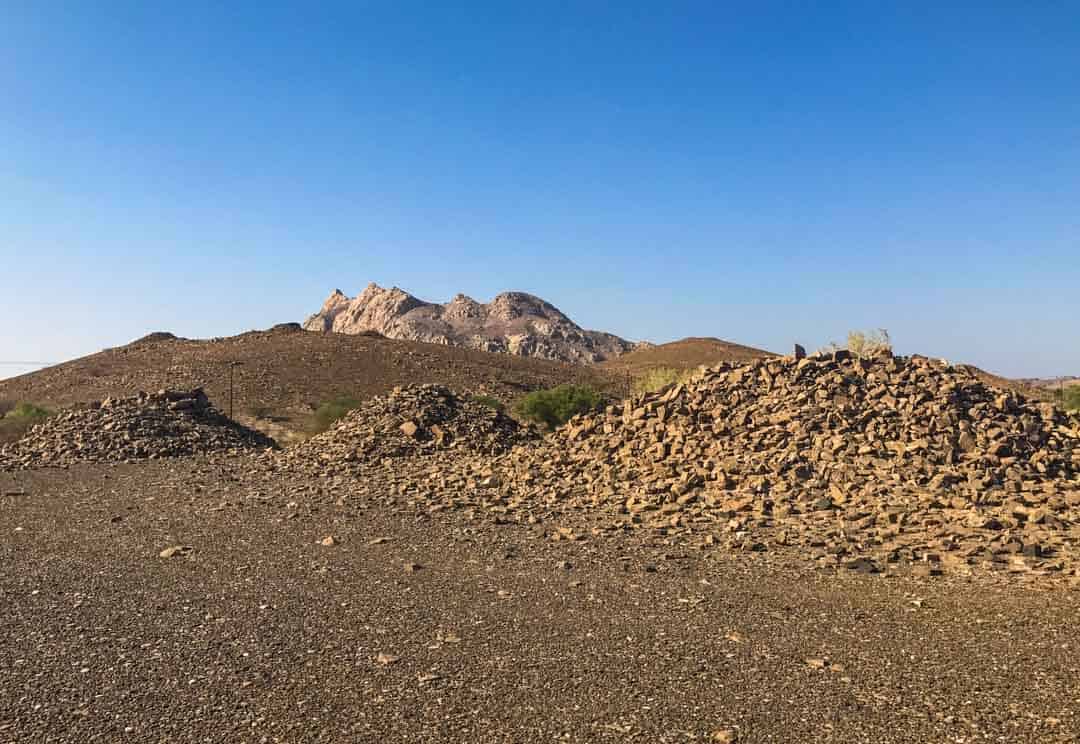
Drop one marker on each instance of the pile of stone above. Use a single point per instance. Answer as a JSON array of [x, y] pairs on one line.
[[864, 462], [146, 426], [872, 464], [410, 421]]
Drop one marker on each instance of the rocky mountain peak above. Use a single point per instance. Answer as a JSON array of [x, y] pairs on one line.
[[513, 322]]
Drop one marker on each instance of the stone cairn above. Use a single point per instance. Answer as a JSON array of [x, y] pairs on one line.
[[167, 423], [411, 421]]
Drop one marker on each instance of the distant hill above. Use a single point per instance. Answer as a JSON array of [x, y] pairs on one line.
[[286, 372], [1051, 383], [685, 354], [514, 323], [1040, 389]]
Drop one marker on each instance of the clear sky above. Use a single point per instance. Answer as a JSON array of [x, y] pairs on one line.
[[760, 172]]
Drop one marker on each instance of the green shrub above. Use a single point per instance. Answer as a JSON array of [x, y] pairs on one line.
[[27, 412], [330, 411], [1072, 398], [659, 378], [490, 402], [553, 408], [19, 418]]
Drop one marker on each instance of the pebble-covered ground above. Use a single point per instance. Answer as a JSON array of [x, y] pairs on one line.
[[294, 609]]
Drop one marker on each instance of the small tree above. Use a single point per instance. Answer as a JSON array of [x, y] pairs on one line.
[[330, 411], [553, 408]]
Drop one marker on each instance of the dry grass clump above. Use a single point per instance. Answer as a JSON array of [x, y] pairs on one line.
[[863, 344], [658, 378]]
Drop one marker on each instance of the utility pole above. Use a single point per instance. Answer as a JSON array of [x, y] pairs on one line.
[[232, 366]]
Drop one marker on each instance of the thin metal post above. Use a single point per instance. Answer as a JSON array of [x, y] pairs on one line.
[[232, 377]]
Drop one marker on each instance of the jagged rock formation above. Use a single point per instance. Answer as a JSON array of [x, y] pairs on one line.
[[146, 426], [513, 322]]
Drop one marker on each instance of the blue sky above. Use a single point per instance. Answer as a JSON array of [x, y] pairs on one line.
[[764, 173]]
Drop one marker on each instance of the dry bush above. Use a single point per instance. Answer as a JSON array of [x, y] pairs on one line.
[[862, 343], [18, 419], [330, 411], [659, 378], [869, 344]]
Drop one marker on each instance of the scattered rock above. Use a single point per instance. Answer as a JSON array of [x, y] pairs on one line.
[[167, 423], [868, 464], [174, 551]]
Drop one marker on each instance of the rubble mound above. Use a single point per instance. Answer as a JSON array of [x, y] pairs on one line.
[[409, 421], [146, 426], [863, 462], [898, 464]]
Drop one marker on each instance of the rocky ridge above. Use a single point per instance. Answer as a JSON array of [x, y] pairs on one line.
[[885, 464], [513, 322], [167, 423], [409, 421]]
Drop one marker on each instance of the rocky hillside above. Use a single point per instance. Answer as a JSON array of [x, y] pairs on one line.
[[282, 374], [513, 322], [686, 353]]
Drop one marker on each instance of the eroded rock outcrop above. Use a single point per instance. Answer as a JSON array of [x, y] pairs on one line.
[[513, 323]]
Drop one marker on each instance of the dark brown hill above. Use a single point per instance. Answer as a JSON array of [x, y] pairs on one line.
[[285, 373], [687, 353], [693, 352]]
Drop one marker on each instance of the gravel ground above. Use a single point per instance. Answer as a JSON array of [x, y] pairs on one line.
[[417, 627]]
